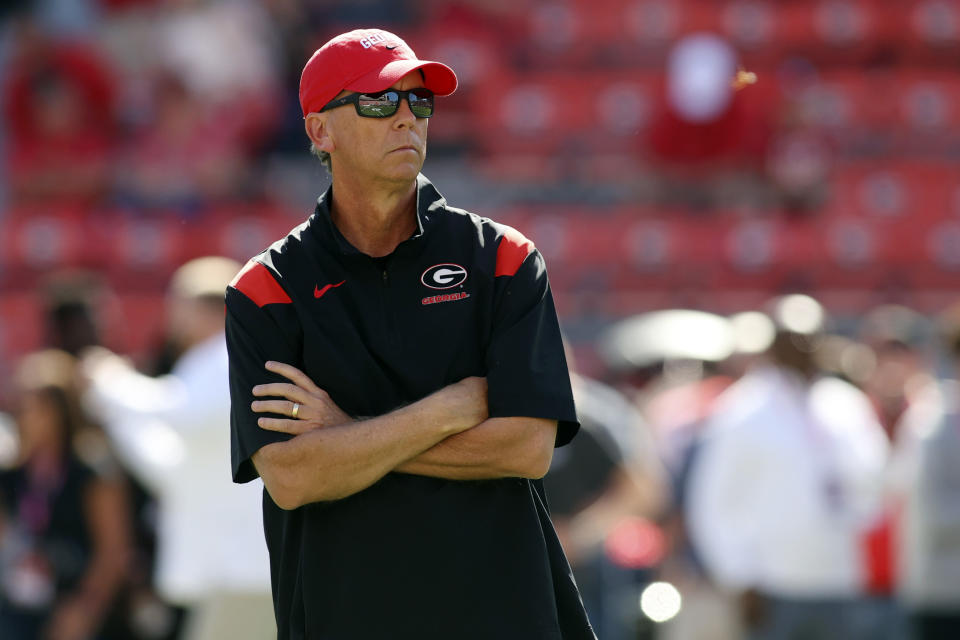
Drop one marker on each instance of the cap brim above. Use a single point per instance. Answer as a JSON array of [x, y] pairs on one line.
[[437, 77]]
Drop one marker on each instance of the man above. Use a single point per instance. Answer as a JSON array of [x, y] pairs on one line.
[[410, 355], [786, 481], [169, 432]]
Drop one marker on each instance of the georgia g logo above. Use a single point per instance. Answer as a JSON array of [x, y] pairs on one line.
[[443, 276]]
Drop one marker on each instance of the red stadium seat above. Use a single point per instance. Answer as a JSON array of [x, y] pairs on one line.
[[929, 102], [930, 33], [912, 191], [653, 24], [244, 237], [146, 245], [571, 113], [853, 99], [477, 54], [21, 324], [45, 242], [623, 108], [752, 28]]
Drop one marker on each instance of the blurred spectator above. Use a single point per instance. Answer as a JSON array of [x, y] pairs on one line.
[[930, 476], [58, 101], [64, 525], [609, 476], [786, 481], [223, 49], [170, 431], [798, 165], [664, 356], [799, 157], [672, 358], [72, 311], [200, 98], [706, 134], [74, 304], [227, 54], [184, 159], [898, 337], [678, 412]]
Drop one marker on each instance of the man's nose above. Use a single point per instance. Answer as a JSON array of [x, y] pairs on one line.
[[404, 115]]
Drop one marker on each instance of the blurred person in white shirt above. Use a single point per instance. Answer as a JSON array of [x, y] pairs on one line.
[[172, 432], [788, 478]]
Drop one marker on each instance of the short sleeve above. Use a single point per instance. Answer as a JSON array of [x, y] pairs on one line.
[[526, 368], [254, 335]]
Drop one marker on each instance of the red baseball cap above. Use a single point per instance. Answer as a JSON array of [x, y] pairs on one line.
[[366, 60]]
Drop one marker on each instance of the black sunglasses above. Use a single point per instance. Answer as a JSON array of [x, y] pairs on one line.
[[385, 103]]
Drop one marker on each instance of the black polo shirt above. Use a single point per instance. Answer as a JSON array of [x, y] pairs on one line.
[[411, 556]]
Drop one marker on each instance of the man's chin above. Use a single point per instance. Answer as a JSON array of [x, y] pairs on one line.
[[404, 172]]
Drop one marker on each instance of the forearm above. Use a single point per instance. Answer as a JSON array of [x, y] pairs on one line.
[[334, 462], [495, 448]]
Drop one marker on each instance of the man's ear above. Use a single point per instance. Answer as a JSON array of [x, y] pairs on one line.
[[318, 130]]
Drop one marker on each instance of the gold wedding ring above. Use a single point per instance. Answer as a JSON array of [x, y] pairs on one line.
[[296, 410]]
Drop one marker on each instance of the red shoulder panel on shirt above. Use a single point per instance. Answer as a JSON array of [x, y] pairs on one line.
[[513, 250], [257, 283]]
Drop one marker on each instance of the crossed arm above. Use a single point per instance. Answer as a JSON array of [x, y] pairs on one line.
[[447, 434]]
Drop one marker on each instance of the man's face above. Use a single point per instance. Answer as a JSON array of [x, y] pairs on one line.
[[379, 149]]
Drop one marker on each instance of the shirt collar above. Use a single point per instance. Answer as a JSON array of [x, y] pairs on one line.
[[429, 205]]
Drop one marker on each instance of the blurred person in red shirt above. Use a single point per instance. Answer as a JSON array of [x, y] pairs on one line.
[[58, 104], [64, 516], [704, 129]]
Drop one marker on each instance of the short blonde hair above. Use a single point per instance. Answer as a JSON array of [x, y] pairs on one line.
[[205, 277]]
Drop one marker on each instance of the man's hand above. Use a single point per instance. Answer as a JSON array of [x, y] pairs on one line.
[[333, 456], [499, 448], [468, 398], [315, 407]]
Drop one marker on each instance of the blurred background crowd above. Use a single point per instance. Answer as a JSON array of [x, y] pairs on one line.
[[753, 464]]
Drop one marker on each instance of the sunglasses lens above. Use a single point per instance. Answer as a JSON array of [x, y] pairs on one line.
[[421, 103], [381, 105], [384, 105]]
